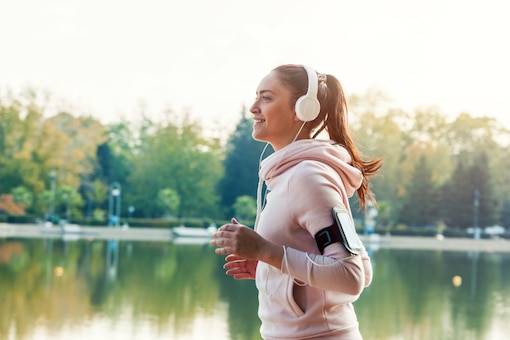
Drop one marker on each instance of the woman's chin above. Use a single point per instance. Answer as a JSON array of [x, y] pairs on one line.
[[257, 135]]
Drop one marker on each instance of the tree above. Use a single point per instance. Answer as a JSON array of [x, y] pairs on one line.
[[241, 165], [22, 195], [420, 201], [44, 203], [175, 155], [19, 122], [480, 181], [7, 205], [458, 196], [32, 146], [457, 199], [245, 208], [505, 215], [77, 154], [383, 136], [115, 155], [69, 200], [169, 200]]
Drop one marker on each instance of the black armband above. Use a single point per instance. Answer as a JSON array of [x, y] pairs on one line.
[[327, 236], [342, 230]]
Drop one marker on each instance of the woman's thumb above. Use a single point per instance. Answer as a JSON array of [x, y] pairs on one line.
[[234, 221]]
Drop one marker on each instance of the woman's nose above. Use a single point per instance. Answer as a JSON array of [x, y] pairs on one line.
[[254, 108]]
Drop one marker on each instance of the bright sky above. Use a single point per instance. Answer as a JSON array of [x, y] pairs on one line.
[[106, 57]]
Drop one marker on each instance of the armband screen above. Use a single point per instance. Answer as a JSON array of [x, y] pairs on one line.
[[351, 240]]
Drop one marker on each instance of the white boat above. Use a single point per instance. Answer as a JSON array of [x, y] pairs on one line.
[[183, 231]]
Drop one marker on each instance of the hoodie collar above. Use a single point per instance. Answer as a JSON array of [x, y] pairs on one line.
[[325, 151]]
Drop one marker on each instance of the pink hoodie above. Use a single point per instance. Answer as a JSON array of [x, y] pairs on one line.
[[311, 296]]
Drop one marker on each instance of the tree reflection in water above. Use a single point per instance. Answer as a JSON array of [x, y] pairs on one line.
[[86, 289]]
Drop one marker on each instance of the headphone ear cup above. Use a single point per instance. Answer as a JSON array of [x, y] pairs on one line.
[[307, 108]]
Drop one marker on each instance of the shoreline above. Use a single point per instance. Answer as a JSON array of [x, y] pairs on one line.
[[436, 243], [374, 241]]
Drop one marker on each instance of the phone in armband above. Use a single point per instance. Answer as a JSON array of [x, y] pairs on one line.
[[342, 230], [350, 238]]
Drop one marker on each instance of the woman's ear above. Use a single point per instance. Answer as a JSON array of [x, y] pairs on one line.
[[295, 118]]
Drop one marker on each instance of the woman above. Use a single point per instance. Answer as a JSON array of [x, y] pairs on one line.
[[306, 286]]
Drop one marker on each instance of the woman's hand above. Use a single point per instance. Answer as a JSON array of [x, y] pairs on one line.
[[237, 239], [240, 268]]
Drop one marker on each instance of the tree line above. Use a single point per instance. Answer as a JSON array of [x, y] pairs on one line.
[[59, 164]]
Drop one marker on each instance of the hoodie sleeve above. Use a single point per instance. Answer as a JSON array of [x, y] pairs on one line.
[[315, 189]]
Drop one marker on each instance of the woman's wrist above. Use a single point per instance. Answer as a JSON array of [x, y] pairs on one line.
[[272, 254]]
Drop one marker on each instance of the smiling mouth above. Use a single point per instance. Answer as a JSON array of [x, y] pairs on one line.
[[258, 121]]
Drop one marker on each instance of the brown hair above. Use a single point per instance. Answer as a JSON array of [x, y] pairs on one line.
[[332, 118]]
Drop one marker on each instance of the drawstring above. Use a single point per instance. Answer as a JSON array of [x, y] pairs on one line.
[[260, 182]]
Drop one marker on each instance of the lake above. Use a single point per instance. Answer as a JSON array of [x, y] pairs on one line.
[[51, 288]]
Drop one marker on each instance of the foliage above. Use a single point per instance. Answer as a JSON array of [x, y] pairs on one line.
[[245, 208], [68, 200], [461, 156], [22, 195], [241, 165], [115, 156], [175, 155], [169, 200], [9, 206], [53, 160], [35, 142], [420, 207]]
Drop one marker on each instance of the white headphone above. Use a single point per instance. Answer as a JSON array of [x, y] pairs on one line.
[[307, 106]]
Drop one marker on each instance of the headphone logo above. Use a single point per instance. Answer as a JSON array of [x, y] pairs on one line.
[[307, 106]]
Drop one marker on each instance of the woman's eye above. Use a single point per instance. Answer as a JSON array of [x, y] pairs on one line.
[[263, 98]]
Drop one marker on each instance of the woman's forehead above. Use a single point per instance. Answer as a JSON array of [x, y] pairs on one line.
[[269, 83]]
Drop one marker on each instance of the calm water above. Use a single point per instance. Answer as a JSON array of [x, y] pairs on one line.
[[55, 289]]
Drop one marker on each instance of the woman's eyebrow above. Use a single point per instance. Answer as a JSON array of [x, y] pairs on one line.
[[264, 91]]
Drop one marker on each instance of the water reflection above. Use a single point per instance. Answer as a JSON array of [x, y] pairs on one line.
[[112, 259], [58, 289], [413, 297]]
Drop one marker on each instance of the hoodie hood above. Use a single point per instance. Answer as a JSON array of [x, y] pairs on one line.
[[327, 152]]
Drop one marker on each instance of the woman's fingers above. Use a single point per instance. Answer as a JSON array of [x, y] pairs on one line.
[[235, 264], [244, 276], [226, 231], [221, 238], [234, 257], [239, 273]]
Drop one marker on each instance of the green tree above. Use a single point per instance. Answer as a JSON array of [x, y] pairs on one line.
[[115, 156], [241, 165], [169, 200], [99, 196], [420, 201], [44, 202], [457, 197], [480, 181], [22, 195], [505, 215], [31, 145], [78, 158], [245, 208], [498, 157], [114, 164], [19, 122], [176, 155], [475, 144], [69, 201], [382, 136]]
